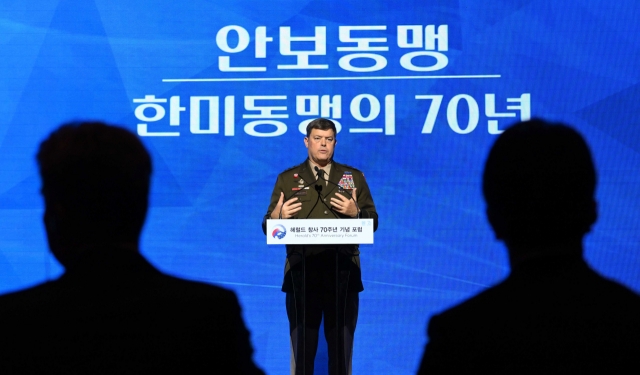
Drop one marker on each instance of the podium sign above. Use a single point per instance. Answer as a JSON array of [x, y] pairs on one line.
[[319, 231]]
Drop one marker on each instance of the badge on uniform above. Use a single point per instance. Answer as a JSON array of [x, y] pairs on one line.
[[295, 175], [346, 182]]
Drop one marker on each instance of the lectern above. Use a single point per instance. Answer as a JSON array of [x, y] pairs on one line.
[[318, 232]]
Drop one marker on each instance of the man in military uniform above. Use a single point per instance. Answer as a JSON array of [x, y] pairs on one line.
[[332, 271]]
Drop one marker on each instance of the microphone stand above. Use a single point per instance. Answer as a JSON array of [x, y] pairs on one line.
[[304, 283], [339, 324]]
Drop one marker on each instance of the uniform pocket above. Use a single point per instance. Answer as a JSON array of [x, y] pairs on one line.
[[303, 195]]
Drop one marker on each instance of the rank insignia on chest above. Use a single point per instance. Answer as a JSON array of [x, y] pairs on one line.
[[346, 182], [295, 175]]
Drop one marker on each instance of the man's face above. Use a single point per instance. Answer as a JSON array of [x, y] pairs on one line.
[[320, 144]]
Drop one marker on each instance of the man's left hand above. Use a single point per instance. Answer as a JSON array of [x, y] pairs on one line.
[[344, 205]]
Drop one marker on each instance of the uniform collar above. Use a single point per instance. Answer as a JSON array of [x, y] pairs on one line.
[[308, 174]]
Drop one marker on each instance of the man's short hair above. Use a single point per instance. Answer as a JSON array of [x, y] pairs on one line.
[[100, 174], [321, 124], [540, 180]]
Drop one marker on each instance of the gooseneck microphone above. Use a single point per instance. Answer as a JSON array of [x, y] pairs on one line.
[[321, 198], [320, 172]]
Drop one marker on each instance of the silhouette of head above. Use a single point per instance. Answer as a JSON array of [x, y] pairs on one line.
[[95, 183], [539, 183]]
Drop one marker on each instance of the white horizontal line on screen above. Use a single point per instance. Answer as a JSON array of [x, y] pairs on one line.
[[407, 286], [365, 130], [465, 76]]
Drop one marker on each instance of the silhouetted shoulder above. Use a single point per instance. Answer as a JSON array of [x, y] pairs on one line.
[[577, 321], [192, 288], [28, 299], [158, 322]]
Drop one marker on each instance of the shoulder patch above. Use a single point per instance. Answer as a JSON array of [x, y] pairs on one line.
[[292, 168], [350, 167]]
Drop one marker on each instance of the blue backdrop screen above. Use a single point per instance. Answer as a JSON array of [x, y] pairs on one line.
[[219, 90]]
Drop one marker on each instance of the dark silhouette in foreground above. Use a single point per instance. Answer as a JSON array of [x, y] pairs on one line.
[[553, 313], [111, 311]]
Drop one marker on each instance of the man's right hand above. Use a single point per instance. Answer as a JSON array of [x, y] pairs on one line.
[[289, 209]]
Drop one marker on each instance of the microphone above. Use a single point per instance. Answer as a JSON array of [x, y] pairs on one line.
[[321, 173]]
